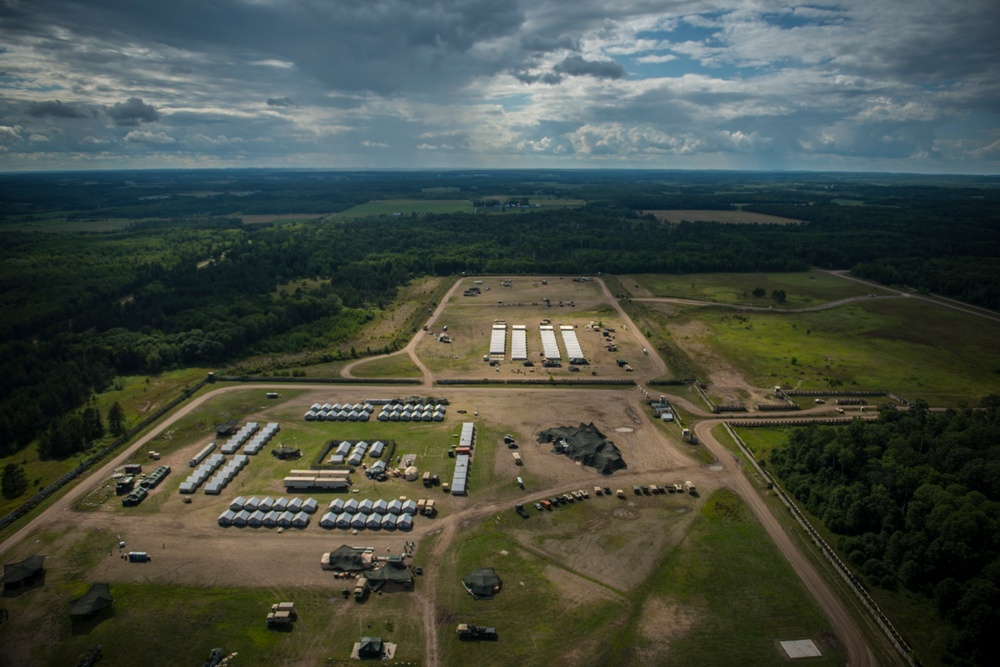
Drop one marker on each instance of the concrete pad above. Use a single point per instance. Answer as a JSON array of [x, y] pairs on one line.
[[800, 648]]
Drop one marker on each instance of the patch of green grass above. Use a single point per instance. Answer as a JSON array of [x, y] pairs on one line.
[[905, 346], [763, 441], [54, 223], [801, 289], [405, 207], [733, 595], [394, 366], [535, 626], [233, 618]]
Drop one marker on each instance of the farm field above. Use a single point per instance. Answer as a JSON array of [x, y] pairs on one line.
[[727, 217], [903, 346], [802, 289], [401, 207]]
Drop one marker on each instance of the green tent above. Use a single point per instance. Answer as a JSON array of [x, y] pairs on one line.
[[15, 574], [97, 597], [584, 443], [483, 583]]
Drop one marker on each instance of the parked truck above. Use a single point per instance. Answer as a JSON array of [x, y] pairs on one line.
[[469, 632], [360, 588], [689, 487]]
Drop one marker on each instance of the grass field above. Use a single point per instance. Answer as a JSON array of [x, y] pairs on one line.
[[148, 619], [56, 223], [904, 346], [395, 366], [801, 289], [405, 207], [138, 395], [718, 593], [726, 217]]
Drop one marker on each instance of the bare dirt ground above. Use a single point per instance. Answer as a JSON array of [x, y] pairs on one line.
[[189, 548]]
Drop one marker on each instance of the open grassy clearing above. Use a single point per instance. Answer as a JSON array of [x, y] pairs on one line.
[[404, 207], [398, 365], [138, 395], [903, 346], [726, 217], [149, 619], [55, 222], [715, 590], [726, 597], [279, 219], [801, 289]]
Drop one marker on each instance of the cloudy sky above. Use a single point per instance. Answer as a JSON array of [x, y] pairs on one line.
[[881, 85]]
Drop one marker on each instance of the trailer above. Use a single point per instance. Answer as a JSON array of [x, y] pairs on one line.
[[201, 455]]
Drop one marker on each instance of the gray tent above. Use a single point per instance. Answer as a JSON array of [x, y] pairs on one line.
[[482, 583], [584, 443], [15, 574], [98, 597]]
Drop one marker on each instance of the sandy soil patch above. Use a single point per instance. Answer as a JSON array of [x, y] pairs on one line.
[[659, 624]]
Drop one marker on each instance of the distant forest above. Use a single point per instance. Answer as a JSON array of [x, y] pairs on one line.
[[189, 284]]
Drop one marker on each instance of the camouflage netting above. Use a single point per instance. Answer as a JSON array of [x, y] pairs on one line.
[[586, 444], [97, 597]]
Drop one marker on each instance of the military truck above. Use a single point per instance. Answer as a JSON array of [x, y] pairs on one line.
[[469, 632], [360, 588]]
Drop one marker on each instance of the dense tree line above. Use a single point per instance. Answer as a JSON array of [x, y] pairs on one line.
[[915, 499]]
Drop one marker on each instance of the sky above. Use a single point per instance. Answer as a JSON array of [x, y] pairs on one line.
[[845, 85]]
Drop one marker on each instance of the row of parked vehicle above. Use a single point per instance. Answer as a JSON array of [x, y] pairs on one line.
[[547, 504]]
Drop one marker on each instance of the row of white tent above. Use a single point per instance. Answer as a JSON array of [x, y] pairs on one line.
[[201, 473], [337, 416], [268, 504], [413, 416], [236, 441], [368, 506], [353, 453], [337, 407], [372, 521], [265, 519], [226, 474], [258, 441]]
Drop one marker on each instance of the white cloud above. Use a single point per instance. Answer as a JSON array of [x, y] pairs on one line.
[[316, 83], [144, 137]]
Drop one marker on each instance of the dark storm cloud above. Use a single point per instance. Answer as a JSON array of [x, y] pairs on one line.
[[132, 112], [599, 69], [55, 109], [280, 102]]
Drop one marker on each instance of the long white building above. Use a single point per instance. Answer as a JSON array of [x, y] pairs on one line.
[[550, 348], [498, 340], [518, 343], [573, 349]]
